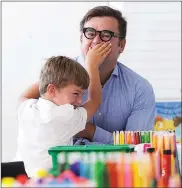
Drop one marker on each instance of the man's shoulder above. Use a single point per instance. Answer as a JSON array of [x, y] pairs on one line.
[[132, 76], [126, 71]]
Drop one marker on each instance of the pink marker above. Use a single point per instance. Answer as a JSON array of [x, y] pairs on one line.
[[145, 146], [127, 172], [157, 165]]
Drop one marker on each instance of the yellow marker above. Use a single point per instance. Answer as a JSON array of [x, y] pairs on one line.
[[121, 141], [154, 141], [151, 137], [145, 171], [120, 138], [41, 173], [7, 182], [136, 177]]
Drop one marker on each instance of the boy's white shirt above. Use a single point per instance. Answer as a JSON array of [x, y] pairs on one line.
[[42, 125]]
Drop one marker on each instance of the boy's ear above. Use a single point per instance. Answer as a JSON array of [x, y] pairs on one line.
[[51, 88]]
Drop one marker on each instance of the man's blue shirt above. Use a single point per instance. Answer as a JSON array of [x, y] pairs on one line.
[[128, 103]]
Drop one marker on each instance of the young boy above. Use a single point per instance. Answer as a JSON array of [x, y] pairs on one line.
[[57, 115]]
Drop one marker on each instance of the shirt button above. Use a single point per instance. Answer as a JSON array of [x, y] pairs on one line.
[[99, 114]]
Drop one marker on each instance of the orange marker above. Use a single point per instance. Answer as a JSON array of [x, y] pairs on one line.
[[129, 137], [162, 182], [125, 137], [151, 152], [160, 143], [121, 172], [132, 137]]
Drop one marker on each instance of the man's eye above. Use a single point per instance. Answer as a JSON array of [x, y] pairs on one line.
[[106, 35], [91, 34], [75, 94]]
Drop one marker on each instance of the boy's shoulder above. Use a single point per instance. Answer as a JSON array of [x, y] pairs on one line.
[[68, 112], [64, 113], [26, 104]]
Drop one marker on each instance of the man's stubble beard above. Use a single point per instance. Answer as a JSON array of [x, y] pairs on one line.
[[108, 64]]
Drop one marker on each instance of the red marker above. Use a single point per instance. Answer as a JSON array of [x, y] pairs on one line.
[[166, 163]]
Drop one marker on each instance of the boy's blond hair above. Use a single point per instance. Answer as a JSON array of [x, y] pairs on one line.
[[62, 71]]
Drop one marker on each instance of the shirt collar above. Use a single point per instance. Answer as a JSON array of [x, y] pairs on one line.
[[80, 59], [115, 71]]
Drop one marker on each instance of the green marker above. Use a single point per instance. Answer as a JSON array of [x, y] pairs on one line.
[[142, 137], [147, 137], [99, 170]]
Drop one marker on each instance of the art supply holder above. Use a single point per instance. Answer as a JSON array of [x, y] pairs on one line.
[[65, 150]]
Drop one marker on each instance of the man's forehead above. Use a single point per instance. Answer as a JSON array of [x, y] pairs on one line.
[[102, 23]]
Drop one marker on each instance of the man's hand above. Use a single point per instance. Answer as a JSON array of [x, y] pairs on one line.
[[88, 132], [31, 92]]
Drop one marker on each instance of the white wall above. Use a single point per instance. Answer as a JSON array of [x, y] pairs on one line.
[[33, 31], [154, 45]]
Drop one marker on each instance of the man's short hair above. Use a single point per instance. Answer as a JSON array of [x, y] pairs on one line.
[[101, 11], [62, 71]]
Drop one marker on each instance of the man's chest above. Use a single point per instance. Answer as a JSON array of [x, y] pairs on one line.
[[113, 113]]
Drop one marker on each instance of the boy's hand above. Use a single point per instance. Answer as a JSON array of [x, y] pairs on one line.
[[98, 53]]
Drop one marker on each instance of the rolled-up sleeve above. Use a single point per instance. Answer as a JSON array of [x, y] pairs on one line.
[[102, 136]]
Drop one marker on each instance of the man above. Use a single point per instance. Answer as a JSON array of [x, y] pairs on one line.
[[128, 101]]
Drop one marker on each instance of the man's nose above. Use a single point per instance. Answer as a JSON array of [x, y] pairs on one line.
[[97, 39]]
